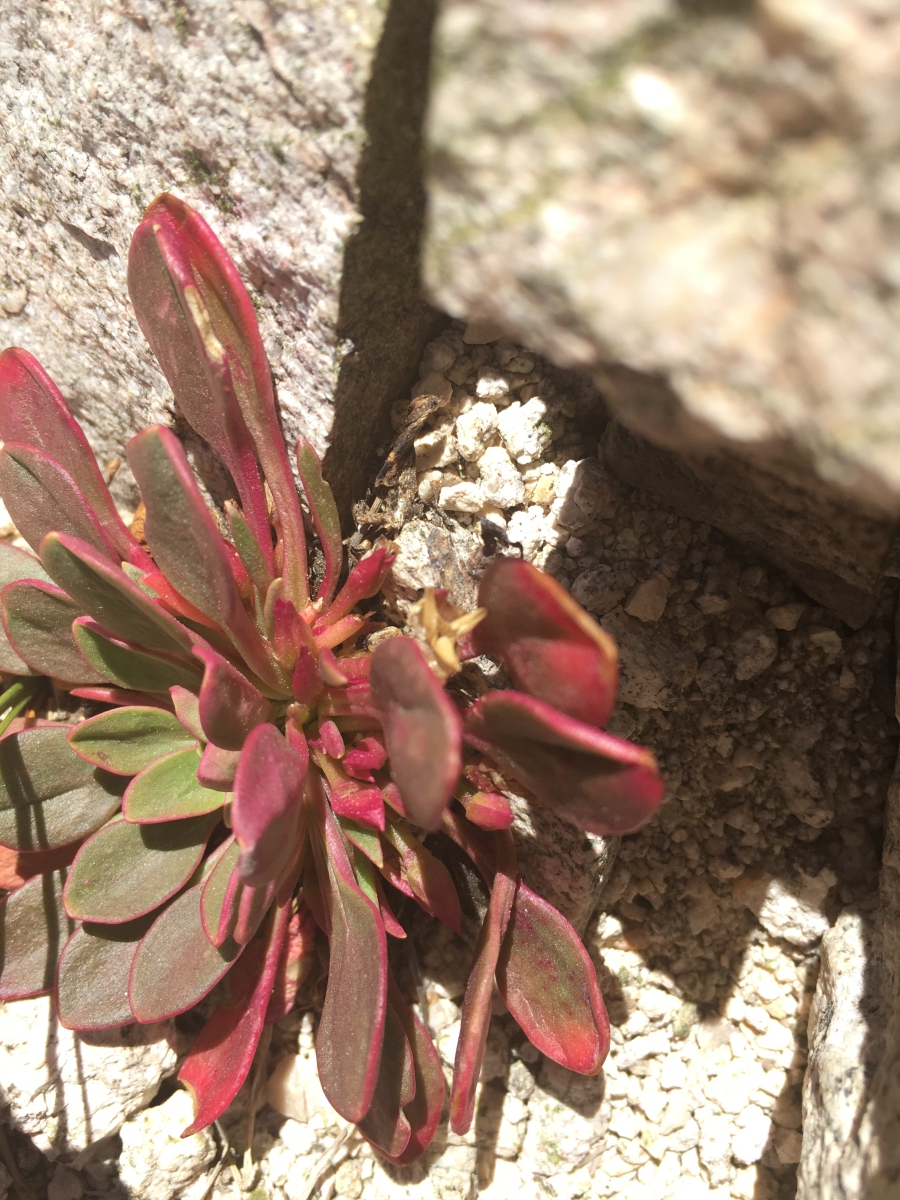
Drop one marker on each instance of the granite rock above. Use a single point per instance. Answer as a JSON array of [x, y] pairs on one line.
[[295, 132], [66, 1090], [695, 201]]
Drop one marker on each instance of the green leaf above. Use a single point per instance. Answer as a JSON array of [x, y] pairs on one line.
[[108, 595], [385, 1124], [127, 870], [16, 564], [169, 789], [129, 667], [220, 894], [324, 513], [38, 619], [48, 795], [92, 982], [33, 930], [164, 984], [366, 840], [126, 740]]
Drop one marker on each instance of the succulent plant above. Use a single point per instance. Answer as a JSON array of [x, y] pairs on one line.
[[267, 760]]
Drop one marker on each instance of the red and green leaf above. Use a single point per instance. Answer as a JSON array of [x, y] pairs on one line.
[[546, 642], [32, 411], [163, 984], [267, 808], [595, 780], [548, 982], [37, 619], [230, 706], [349, 1037], [222, 1055], [324, 513], [92, 979]]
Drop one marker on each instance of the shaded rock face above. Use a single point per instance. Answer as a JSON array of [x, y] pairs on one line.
[[287, 127], [698, 202]]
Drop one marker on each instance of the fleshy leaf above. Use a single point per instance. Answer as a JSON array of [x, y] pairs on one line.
[[230, 706], [107, 594], [33, 929], [297, 957], [16, 564], [163, 984], [48, 795], [385, 1124], [258, 565], [126, 665], [549, 985], [195, 311], [421, 729], [218, 899], [169, 790], [222, 1055], [324, 513], [218, 768], [18, 867], [186, 544], [366, 840], [33, 411], [599, 782], [488, 810], [187, 710], [364, 580], [92, 981], [546, 642], [426, 875], [125, 870], [424, 1111], [42, 497], [348, 1041], [476, 1010], [126, 740], [268, 790], [37, 618], [173, 315]]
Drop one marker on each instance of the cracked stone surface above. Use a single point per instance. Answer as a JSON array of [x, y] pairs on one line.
[[260, 117]]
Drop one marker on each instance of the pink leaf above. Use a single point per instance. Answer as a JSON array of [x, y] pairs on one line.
[[547, 643], [476, 1011], [199, 319], [549, 985], [595, 780], [306, 683], [218, 768], [223, 1053], [265, 815], [421, 729], [488, 810], [230, 706], [366, 756], [359, 803], [32, 411], [365, 580]]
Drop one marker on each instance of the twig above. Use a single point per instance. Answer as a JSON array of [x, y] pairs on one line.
[[323, 1162], [23, 1191], [256, 1082], [220, 1165]]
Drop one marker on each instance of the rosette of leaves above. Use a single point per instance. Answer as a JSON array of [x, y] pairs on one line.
[[257, 772]]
